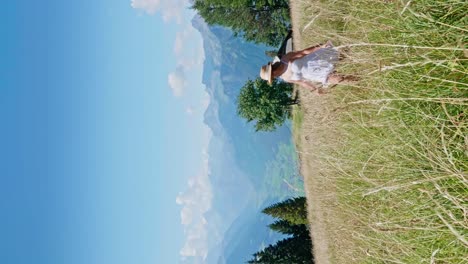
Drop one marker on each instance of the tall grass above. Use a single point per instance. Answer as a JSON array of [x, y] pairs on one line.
[[400, 161]]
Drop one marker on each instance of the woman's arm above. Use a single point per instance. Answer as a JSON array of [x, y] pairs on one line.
[[293, 55]]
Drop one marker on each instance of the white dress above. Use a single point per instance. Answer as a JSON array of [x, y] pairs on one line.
[[314, 67]]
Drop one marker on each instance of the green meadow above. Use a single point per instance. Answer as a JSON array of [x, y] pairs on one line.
[[397, 149]]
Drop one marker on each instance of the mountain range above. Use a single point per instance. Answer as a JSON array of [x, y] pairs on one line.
[[238, 156]]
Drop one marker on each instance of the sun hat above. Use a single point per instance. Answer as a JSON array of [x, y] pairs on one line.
[[265, 73]]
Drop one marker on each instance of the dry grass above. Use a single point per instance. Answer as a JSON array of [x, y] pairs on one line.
[[325, 217], [385, 161]]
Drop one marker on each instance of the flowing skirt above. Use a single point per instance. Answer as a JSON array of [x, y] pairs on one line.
[[315, 67]]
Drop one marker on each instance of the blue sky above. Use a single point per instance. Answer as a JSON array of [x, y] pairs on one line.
[[101, 102]]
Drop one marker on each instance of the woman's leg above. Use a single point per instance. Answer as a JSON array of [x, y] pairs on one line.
[[336, 78]]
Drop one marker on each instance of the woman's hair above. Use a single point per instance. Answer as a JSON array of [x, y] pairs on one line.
[[275, 67]]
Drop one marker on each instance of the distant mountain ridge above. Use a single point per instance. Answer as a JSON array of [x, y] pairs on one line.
[[235, 212]]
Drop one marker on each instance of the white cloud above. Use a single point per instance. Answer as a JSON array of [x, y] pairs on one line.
[[188, 46], [179, 43], [184, 38], [150, 6], [170, 9], [189, 56], [189, 110], [174, 11], [189, 53], [190, 62], [196, 201], [177, 81], [181, 38]]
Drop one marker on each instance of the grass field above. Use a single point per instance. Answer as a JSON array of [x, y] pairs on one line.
[[386, 160]]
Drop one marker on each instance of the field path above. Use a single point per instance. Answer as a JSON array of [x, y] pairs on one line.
[[318, 188], [326, 222]]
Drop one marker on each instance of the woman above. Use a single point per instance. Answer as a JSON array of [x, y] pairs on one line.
[[306, 67]]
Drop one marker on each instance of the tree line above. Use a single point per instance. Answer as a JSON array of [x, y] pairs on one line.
[[291, 220], [262, 22], [259, 21]]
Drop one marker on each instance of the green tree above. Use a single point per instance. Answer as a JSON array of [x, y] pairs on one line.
[[287, 228], [293, 221], [293, 210], [293, 250], [269, 105], [260, 21]]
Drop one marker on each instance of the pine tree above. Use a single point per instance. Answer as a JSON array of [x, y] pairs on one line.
[[292, 221], [285, 227], [293, 250], [293, 210]]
